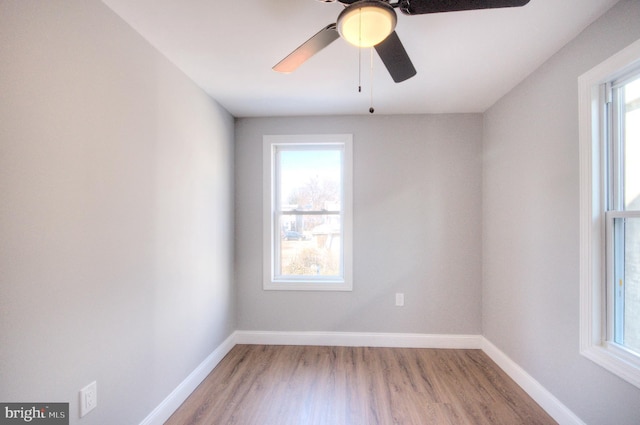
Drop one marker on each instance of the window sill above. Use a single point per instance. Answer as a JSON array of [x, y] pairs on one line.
[[298, 285], [616, 360]]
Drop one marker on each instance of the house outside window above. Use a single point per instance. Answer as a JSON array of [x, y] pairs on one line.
[[610, 214], [307, 212]]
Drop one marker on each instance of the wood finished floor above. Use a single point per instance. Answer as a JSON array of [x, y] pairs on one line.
[[300, 385]]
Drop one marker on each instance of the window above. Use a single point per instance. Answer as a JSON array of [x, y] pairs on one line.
[[623, 209], [610, 214], [307, 212]]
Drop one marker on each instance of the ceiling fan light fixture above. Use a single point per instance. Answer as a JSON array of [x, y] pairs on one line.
[[366, 23]]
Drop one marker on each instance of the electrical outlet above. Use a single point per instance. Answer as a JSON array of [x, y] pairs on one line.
[[399, 299], [88, 398]]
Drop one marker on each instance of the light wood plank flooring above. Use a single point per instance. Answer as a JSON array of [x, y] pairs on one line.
[[302, 385]]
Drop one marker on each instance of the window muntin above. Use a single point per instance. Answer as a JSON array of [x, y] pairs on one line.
[[308, 212]]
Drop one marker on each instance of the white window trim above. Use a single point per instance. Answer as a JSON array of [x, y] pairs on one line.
[[343, 284], [593, 310]]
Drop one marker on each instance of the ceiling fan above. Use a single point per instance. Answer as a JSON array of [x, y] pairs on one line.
[[371, 23]]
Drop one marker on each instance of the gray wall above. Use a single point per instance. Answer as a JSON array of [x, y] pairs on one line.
[[530, 226], [115, 213], [417, 227]]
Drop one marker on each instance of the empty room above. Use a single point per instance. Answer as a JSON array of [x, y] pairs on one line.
[[320, 212]]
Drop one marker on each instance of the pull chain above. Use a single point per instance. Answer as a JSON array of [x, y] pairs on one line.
[[359, 69], [371, 110], [360, 52]]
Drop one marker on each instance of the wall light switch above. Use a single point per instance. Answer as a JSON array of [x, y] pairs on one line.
[[399, 299]]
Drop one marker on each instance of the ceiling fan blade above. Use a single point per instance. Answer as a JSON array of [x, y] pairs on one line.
[[395, 58], [319, 41], [419, 7]]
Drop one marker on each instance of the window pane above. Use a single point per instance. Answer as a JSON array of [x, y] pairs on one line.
[[627, 282], [631, 118], [310, 245], [310, 180]]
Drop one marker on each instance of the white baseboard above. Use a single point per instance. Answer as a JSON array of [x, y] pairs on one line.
[[359, 339], [536, 391], [544, 398], [170, 404]]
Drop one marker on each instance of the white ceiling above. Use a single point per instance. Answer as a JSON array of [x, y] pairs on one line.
[[465, 61]]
